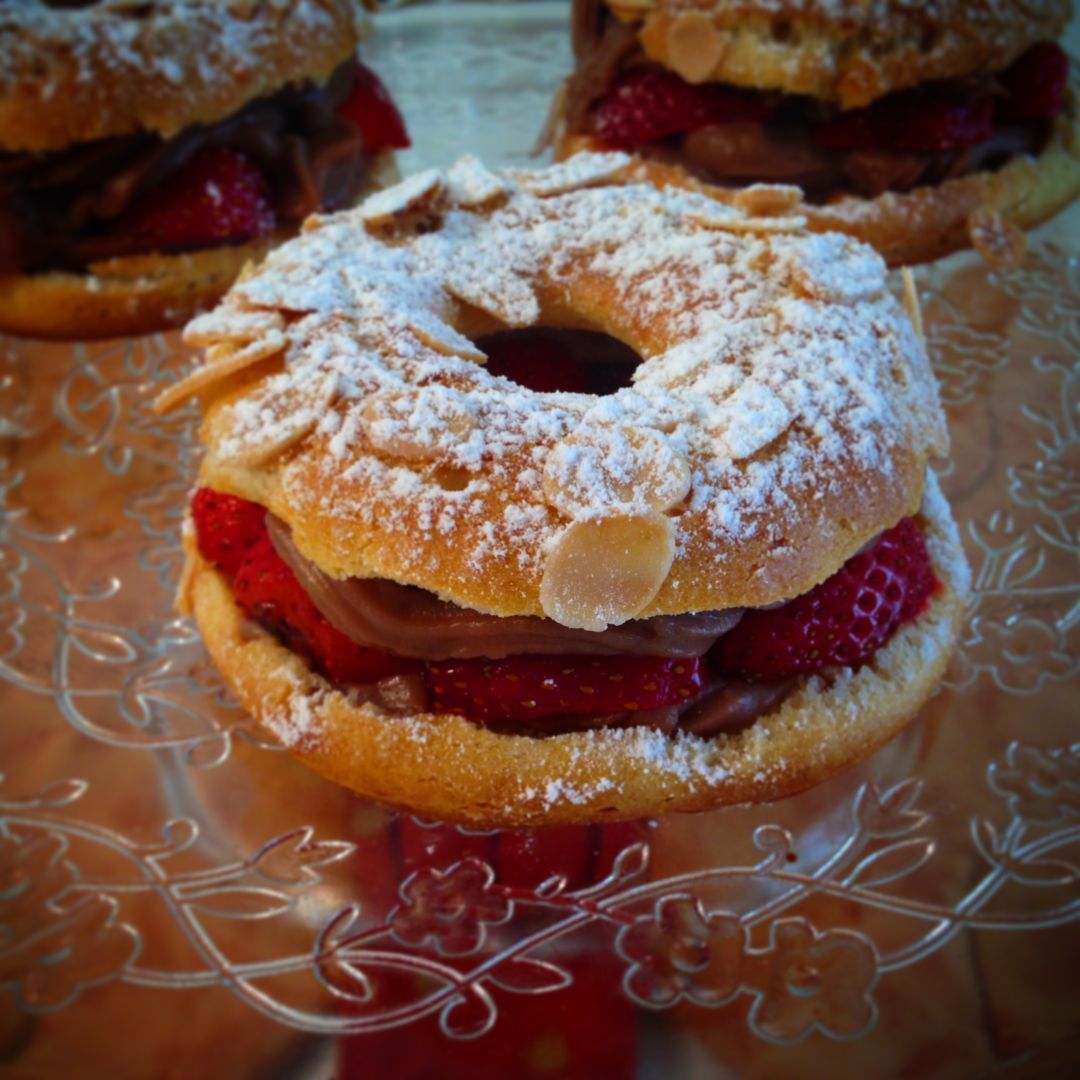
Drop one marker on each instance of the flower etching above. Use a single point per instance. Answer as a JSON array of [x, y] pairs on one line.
[[680, 951], [450, 909], [814, 980], [1042, 786]]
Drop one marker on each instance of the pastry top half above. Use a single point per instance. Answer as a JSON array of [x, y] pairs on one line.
[[782, 415], [845, 51], [78, 73]]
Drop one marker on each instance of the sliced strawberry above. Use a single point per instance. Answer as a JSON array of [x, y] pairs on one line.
[[645, 104], [217, 196], [648, 103], [268, 592], [528, 687], [226, 527], [845, 620], [1035, 83], [917, 122], [371, 108]]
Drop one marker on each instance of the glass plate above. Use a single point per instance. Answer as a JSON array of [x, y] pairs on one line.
[[176, 894]]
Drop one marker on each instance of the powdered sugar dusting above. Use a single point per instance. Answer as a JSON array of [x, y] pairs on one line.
[[119, 36], [774, 367]]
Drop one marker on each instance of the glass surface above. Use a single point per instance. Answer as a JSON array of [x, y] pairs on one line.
[[174, 891]]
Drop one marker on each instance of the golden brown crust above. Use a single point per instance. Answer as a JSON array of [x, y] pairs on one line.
[[75, 75], [926, 223], [137, 294], [445, 767], [481, 500], [848, 51]]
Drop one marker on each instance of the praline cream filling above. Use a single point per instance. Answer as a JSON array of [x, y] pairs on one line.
[[412, 622]]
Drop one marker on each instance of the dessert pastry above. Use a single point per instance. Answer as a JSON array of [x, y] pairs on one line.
[[917, 128], [147, 151], [462, 568]]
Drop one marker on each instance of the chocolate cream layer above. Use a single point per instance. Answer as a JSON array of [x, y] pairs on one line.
[[64, 210], [782, 149], [412, 622]]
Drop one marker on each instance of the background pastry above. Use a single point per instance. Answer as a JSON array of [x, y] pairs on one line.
[[917, 128], [148, 151]]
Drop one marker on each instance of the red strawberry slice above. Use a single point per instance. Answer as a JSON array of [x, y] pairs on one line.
[[845, 620], [226, 527], [217, 196], [528, 687], [371, 108], [911, 123], [648, 103], [1036, 83], [268, 592]]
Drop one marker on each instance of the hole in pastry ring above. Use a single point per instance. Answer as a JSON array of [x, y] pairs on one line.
[[782, 415]]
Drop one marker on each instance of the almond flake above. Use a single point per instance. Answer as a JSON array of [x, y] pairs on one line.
[[389, 206], [470, 184], [996, 238], [694, 46], [294, 413], [416, 423], [602, 572], [624, 469], [441, 337], [581, 171], [768, 199], [223, 325], [223, 360]]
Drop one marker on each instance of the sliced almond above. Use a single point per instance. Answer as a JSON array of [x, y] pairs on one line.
[[470, 184], [416, 423], [601, 572], [390, 206], [286, 417], [738, 222], [996, 238], [581, 171], [748, 421], [442, 337], [625, 469], [768, 199], [227, 324], [508, 297], [911, 301], [694, 46], [223, 360]]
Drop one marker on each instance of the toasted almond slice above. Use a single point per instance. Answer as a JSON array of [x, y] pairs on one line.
[[738, 222], [748, 420], [470, 184], [294, 414], [600, 572], [626, 469], [228, 324], [581, 171], [509, 297], [911, 301], [442, 337], [694, 46], [768, 199], [996, 238], [392, 204], [224, 360], [416, 423]]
